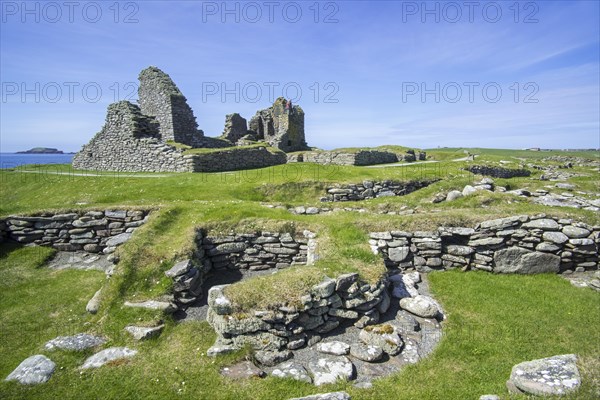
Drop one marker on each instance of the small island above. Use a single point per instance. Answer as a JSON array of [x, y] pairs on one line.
[[41, 150]]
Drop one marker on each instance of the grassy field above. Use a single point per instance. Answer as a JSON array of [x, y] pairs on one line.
[[494, 321]]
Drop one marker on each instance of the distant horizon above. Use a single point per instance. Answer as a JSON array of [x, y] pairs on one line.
[[418, 148]]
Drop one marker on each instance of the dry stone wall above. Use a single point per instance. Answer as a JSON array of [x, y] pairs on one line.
[[358, 158], [497, 172], [519, 244], [292, 326], [245, 251], [369, 190], [90, 231]]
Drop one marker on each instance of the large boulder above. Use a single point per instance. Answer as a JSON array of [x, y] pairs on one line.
[[552, 376], [516, 260], [33, 370]]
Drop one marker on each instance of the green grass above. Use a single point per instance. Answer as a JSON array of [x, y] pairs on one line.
[[494, 321]]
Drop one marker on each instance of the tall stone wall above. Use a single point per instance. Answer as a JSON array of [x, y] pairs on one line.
[[129, 141], [519, 244], [159, 97], [281, 128]]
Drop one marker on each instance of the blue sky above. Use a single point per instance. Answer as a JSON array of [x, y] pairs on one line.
[[369, 73]]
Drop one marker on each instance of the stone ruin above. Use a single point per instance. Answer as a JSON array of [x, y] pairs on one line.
[[160, 98], [279, 127], [154, 135], [160, 133]]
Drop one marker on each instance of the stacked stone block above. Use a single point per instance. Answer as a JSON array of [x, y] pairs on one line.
[[369, 190], [91, 231], [291, 326], [519, 244]]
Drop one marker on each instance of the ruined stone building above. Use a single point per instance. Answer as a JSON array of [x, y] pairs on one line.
[[161, 99], [161, 135]]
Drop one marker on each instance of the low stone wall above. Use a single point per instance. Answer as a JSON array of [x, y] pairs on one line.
[[255, 251], [233, 159], [361, 157], [369, 190], [519, 244], [497, 172], [246, 251], [91, 231], [292, 326]]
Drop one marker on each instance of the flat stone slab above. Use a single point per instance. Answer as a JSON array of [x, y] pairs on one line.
[[218, 350], [153, 305], [80, 261], [292, 370], [335, 348], [516, 260], [243, 370], [179, 269], [143, 332], [118, 239], [326, 396], [33, 370], [105, 356], [328, 370], [78, 342], [552, 376], [271, 358]]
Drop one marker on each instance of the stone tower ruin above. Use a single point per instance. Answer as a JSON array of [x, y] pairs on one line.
[[280, 128], [160, 98]]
